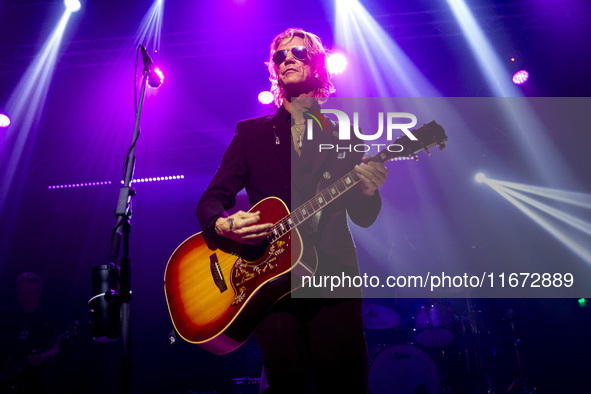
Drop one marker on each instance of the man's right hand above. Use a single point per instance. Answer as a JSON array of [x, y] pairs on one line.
[[242, 227]]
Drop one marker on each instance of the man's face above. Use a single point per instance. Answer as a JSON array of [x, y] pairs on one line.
[[28, 296], [296, 75]]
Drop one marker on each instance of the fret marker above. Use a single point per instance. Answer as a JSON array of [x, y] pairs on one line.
[[347, 180], [304, 211], [290, 222], [320, 200], [333, 190]]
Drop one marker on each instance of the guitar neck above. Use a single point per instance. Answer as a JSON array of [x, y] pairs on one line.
[[314, 205], [320, 200], [431, 134]]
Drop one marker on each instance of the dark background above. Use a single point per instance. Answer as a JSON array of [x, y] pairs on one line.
[[213, 54]]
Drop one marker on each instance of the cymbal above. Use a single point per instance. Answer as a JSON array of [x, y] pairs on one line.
[[379, 317]]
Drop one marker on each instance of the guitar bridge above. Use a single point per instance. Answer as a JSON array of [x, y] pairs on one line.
[[216, 273]]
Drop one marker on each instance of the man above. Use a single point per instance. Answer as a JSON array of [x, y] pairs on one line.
[[270, 156]]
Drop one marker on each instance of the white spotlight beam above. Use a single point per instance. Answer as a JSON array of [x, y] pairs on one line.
[[348, 33], [26, 105], [566, 218], [359, 33], [521, 118], [73, 5], [582, 250], [150, 29], [498, 77], [582, 200]]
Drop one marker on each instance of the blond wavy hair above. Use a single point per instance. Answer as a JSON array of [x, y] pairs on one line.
[[317, 54]]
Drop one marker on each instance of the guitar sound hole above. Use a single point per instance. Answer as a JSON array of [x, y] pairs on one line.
[[254, 252]]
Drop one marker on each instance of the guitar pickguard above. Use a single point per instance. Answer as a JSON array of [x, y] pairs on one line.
[[247, 276]]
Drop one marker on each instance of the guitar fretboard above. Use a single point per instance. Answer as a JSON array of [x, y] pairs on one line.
[[313, 205], [429, 135]]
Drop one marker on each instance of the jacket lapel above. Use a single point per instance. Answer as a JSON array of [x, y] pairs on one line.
[[280, 144], [320, 157]]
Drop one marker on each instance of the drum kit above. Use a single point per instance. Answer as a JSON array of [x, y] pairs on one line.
[[438, 348]]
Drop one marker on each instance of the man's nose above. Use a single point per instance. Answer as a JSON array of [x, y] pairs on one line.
[[289, 57]]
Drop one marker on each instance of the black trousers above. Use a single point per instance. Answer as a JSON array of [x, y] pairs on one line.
[[314, 346]]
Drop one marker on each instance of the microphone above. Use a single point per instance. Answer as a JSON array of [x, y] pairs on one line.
[[154, 80]]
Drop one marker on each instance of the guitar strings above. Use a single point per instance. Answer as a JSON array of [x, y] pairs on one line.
[[309, 207]]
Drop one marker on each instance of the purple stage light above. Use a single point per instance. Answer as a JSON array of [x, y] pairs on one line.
[[160, 74], [520, 77], [154, 81], [4, 120], [157, 179], [266, 97], [336, 63], [75, 185]]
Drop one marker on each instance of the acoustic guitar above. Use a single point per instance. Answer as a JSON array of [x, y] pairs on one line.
[[217, 293]]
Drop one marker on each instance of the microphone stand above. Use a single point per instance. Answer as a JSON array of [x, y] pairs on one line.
[[122, 231]]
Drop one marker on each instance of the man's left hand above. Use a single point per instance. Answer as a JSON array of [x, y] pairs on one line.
[[372, 174]]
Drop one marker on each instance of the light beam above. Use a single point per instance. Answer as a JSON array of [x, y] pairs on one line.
[[526, 205], [490, 64], [26, 106], [150, 31], [390, 70]]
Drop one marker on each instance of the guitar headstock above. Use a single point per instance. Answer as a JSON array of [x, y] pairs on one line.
[[429, 135]]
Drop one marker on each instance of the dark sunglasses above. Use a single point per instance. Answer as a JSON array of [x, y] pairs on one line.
[[300, 53]]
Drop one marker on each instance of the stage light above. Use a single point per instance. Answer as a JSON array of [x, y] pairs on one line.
[[150, 29], [25, 106], [540, 213], [336, 63], [521, 119], [106, 183], [266, 97], [72, 5], [386, 71], [160, 79], [480, 177], [576, 199], [76, 185], [582, 302], [520, 77], [489, 62], [157, 179], [4, 120]]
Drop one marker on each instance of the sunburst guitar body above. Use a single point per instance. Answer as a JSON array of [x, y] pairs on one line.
[[217, 294]]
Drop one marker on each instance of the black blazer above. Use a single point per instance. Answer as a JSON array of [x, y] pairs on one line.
[[259, 160]]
